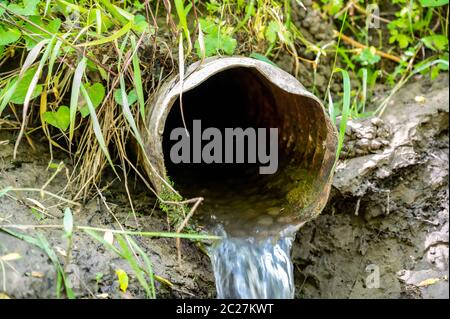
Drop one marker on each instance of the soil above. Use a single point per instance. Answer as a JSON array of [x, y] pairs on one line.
[[388, 211], [92, 267]]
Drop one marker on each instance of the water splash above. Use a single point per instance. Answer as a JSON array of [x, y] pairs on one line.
[[254, 268]]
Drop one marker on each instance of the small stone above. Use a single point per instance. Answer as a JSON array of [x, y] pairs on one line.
[[376, 121], [369, 135], [273, 211], [265, 220], [363, 144], [357, 126], [385, 142], [420, 99], [360, 152], [284, 219], [383, 132], [375, 145]]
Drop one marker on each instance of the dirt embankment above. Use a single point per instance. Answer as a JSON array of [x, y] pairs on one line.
[[387, 217]]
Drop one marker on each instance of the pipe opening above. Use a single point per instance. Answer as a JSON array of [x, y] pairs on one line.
[[238, 193]]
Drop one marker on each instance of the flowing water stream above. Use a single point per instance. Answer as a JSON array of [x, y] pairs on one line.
[[254, 268], [253, 258]]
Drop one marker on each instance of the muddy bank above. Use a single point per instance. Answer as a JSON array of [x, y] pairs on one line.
[[91, 268], [388, 212]]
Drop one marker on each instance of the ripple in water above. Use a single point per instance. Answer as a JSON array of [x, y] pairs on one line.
[[254, 268]]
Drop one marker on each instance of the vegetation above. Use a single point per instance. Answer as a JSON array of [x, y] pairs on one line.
[[82, 73]]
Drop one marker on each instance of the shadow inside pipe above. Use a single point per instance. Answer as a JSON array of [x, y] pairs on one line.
[[236, 194]]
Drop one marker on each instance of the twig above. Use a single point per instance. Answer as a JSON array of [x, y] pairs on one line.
[[44, 192], [197, 200], [362, 46]]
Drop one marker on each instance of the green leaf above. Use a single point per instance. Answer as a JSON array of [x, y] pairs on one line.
[[403, 41], [140, 23], [368, 56], [117, 34], [19, 94], [68, 217], [96, 16], [9, 36], [123, 279], [434, 72], [131, 97], [216, 44], [433, 3], [53, 27], [437, 42], [96, 93], [209, 26], [29, 8], [216, 40], [228, 44], [261, 57], [272, 31], [59, 119]]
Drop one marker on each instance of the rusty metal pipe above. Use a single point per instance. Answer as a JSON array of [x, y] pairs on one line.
[[268, 97]]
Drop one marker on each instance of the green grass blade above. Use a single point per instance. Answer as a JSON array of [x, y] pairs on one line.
[[37, 75], [179, 6], [113, 10], [130, 257], [127, 112], [98, 19], [75, 92], [47, 5], [148, 264], [55, 53], [100, 239], [74, 7], [110, 38], [5, 190], [153, 234], [331, 111], [96, 126], [29, 94], [31, 57], [364, 89], [138, 79], [45, 245], [345, 109], [428, 65]]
